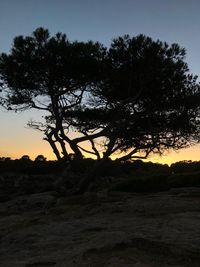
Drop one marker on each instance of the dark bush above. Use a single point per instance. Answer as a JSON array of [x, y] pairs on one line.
[[185, 166], [153, 183], [191, 179]]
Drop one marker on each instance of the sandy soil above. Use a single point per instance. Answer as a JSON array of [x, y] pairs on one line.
[[104, 229]]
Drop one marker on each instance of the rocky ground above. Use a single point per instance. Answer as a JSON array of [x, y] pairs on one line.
[[101, 229]]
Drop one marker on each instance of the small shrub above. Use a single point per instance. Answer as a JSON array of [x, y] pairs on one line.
[[191, 179], [153, 183]]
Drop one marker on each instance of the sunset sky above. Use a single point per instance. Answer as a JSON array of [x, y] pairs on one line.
[[171, 21]]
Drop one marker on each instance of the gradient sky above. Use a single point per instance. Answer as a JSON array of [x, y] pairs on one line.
[[171, 21]]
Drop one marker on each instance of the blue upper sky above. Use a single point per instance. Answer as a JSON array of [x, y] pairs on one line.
[[171, 20], [168, 20]]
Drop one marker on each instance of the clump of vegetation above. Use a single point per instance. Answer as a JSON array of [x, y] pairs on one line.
[[28, 177], [156, 179], [140, 183], [188, 179]]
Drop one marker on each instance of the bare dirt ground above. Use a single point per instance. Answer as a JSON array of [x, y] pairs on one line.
[[104, 229]]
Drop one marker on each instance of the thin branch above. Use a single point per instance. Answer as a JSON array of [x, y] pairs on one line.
[[87, 151], [129, 155], [110, 146], [33, 105], [92, 136], [93, 145]]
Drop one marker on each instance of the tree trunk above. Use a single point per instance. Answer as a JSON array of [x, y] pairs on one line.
[[76, 150], [53, 146]]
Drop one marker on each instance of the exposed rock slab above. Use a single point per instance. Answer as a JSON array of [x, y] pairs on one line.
[[96, 230]]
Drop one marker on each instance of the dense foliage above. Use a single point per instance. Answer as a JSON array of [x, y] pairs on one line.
[[134, 98]]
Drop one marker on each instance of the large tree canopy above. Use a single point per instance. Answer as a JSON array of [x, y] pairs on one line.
[[133, 98], [50, 74], [154, 99]]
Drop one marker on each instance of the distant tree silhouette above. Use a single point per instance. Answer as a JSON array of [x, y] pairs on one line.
[[40, 158], [25, 158], [132, 99], [5, 159]]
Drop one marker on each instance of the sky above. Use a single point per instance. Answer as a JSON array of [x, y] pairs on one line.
[[173, 21]]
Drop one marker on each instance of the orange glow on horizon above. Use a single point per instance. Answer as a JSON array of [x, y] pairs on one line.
[[43, 148]]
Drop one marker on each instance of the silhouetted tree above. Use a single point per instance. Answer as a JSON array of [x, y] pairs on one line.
[[40, 158], [50, 74], [25, 158], [147, 101], [133, 99]]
